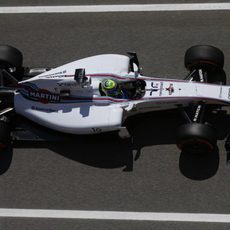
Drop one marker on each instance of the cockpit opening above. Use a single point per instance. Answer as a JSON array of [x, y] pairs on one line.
[[132, 90]]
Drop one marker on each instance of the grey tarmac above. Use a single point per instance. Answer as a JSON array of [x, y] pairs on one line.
[[148, 174]]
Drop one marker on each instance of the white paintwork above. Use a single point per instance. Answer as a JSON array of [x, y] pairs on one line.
[[84, 111], [70, 118], [102, 64]]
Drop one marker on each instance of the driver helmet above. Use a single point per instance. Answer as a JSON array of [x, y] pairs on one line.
[[110, 88]]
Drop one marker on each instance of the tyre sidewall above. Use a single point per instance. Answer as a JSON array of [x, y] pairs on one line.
[[5, 138], [10, 56], [196, 137], [203, 56]]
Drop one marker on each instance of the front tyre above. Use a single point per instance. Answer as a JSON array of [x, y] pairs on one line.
[[196, 138], [217, 77], [204, 57]]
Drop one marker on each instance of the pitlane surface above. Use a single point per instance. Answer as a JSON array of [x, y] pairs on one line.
[[98, 2], [37, 224], [88, 174]]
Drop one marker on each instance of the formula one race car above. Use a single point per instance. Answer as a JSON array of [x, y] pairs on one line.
[[71, 98]]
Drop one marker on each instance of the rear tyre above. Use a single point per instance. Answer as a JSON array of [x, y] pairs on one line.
[[11, 58], [5, 138], [196, 138], [204, 57]]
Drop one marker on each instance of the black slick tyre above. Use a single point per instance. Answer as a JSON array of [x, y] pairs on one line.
[[204, 56], [5, 138], [196, 138], [10, 56], [217, 77]]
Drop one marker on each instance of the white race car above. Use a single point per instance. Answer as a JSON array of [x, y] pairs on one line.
[[71, 99]]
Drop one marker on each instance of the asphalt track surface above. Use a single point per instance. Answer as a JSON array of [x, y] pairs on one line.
[[101, 172], [98, 2]]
